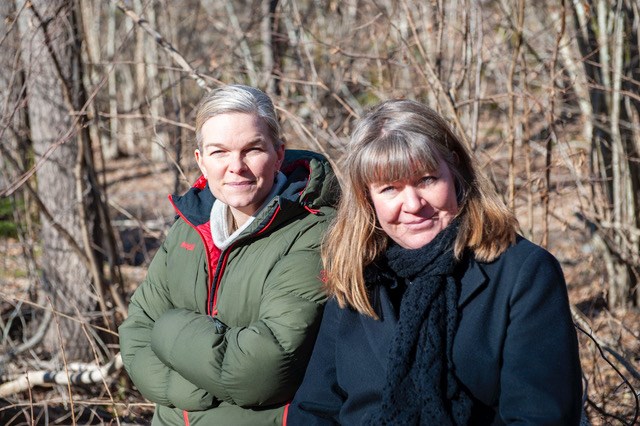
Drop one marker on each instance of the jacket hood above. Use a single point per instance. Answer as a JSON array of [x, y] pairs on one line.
[[321, 188]]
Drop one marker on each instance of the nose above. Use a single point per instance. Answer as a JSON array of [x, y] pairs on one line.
[[237, 163], [412, 201]]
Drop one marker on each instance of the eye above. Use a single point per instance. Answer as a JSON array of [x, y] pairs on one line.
[[427, 179], [383, 188]]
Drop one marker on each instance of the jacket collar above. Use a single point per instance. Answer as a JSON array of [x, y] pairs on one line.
[[319, 188], [220, 215], [195, 205]]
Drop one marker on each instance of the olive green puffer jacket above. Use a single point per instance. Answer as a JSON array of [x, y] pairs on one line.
[[223, 338]]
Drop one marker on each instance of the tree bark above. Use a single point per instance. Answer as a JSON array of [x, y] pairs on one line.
[[159, 137], [52, 59], [12, 121], [609, 40]]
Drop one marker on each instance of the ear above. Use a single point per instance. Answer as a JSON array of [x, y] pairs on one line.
[[456, 158], [280, 154], [198, 156]]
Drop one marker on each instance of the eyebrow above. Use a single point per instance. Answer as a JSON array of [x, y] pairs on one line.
[[259, 139]]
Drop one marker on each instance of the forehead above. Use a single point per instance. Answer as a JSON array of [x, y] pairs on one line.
[[237, 120], [234, 127]]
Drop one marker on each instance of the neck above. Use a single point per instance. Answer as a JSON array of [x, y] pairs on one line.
[[236, 219]]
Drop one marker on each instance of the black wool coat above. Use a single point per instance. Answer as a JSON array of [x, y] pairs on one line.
[[515, 349]]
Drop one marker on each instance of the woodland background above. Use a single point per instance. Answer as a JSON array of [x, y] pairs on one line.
[[96, 127]]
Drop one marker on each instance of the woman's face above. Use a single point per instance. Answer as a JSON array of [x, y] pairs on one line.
[[239, 160], [413, 211]]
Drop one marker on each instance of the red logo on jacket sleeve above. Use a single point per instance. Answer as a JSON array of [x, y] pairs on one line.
[[185, 245]]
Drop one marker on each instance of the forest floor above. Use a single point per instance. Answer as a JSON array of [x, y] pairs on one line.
[[138, 192]]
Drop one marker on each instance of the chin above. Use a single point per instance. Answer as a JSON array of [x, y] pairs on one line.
[[418, 243], [239, 202]]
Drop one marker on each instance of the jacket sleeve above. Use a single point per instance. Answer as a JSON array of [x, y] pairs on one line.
[[319, 399], [540, 380], [262, 363], [155, 380]]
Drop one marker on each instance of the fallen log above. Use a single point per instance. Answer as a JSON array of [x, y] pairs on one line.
[[77, 373]]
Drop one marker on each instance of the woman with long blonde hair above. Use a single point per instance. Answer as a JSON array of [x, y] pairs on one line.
[[439, 312]]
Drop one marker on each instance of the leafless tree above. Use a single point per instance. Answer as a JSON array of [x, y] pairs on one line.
[[544, 92], [72, 210], [607, 37]]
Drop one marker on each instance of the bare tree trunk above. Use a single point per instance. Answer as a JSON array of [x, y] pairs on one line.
[[129, 136], [110, 149], [266, 32], [49, 56], [610, 42], [73, 213], [160, 138], [11, 90], [178, 137], [138, 56], [15, 144], [514, 123]]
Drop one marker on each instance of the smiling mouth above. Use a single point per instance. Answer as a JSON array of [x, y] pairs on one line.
[[434, 216], [242, 183], [424, 221]]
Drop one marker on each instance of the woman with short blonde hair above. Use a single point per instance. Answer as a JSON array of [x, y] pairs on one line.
[[238, 98], [222, 327]]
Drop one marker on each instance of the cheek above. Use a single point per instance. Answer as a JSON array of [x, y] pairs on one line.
[[452, 201], [443, 197], [210, 167], [264, 167], [383, 210], [265, 171]]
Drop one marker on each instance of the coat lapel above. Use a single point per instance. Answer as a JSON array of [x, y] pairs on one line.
[[472, 282], [380, 332]]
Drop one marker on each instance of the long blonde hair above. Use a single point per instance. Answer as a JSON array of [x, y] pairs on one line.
[[392, 142]]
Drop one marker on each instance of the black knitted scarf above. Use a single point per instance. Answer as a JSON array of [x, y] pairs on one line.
[[421, 388]]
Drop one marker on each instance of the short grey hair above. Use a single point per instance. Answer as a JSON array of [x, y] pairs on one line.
[[238, 98]]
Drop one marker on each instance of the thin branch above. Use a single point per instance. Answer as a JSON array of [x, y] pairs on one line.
[[177, 57], [584, 326], [63, 374], [477, 8], [31, 342], [512, 103], [116, 361], [41, 206], [57, 312], [430, 76], [552, 128]]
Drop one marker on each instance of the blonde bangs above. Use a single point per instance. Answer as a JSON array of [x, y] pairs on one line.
[[396, 156]]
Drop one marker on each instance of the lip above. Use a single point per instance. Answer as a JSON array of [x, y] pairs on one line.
[[424, 222], [240, 183], [421, 220]]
